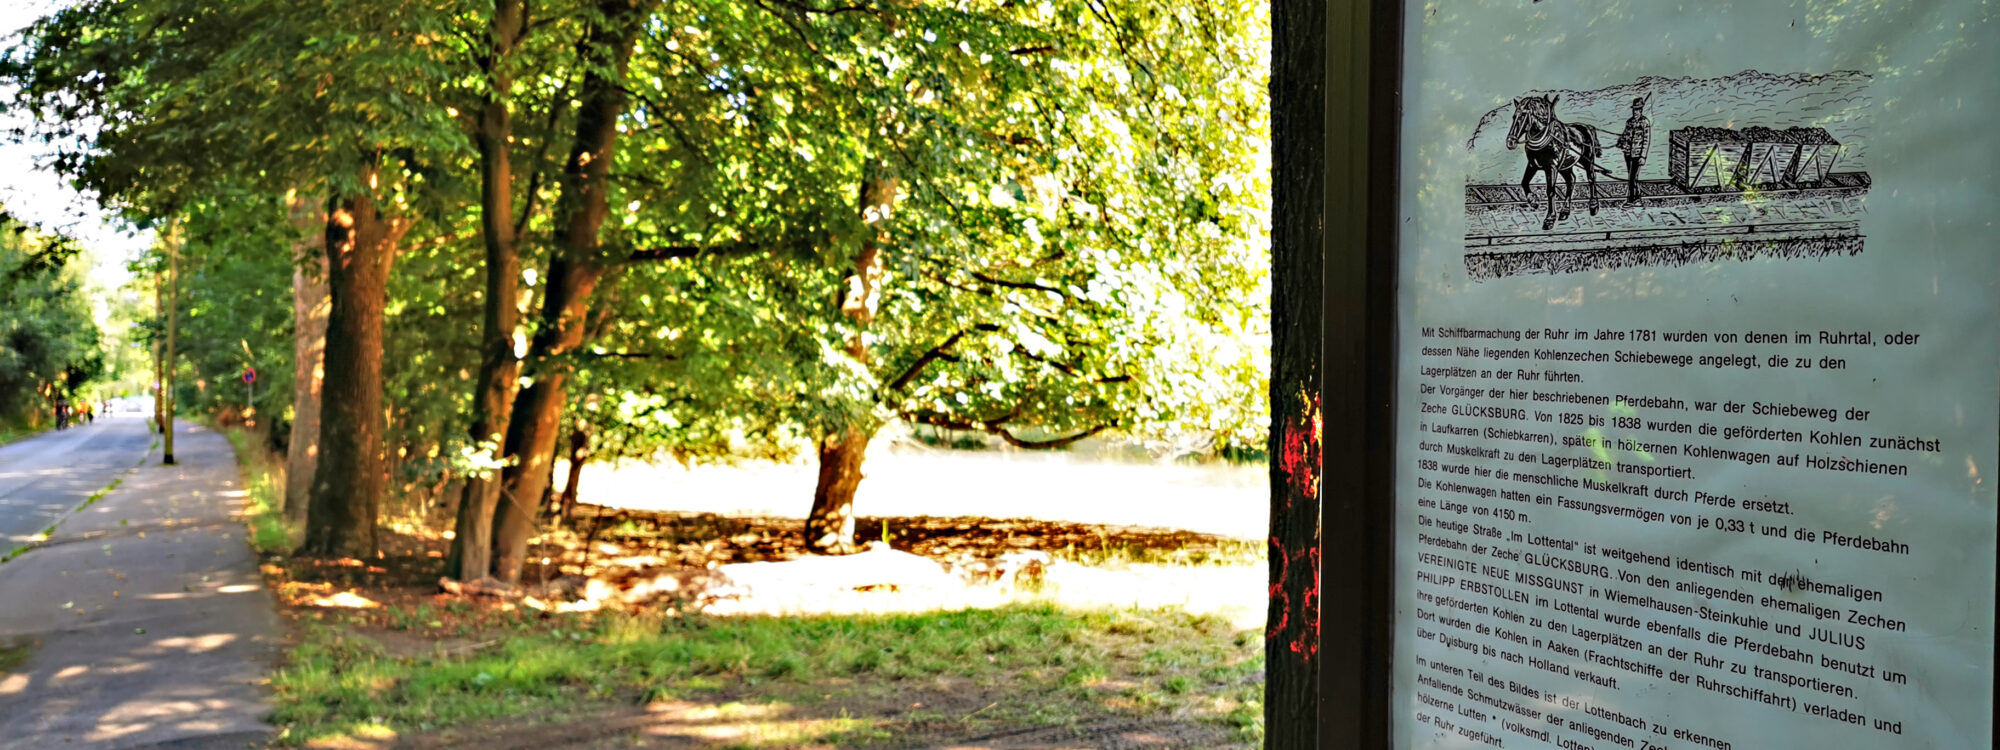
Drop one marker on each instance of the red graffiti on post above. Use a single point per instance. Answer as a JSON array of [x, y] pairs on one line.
[[1299, 459]]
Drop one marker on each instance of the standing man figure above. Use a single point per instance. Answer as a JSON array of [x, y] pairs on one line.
[[1634, 142], [62, 411]]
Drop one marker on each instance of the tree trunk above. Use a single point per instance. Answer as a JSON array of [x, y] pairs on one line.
[[579, 443], [574, 271], [168, 364], [1299, 82], [549, 485], [499, 371], [830, 524], [160, 352], [309, 311], [348, 483], [537, 418]]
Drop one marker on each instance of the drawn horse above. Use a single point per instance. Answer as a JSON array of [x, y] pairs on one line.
[[1555, 147]]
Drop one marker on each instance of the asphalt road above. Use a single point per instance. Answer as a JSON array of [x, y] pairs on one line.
[[45, 477]]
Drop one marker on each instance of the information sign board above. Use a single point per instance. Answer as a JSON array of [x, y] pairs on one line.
[[1698, 339]]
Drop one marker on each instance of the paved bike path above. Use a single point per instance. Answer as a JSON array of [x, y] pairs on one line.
[[45, 477], [145, 619]]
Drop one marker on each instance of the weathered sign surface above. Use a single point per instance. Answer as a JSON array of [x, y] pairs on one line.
[[1699, 337]]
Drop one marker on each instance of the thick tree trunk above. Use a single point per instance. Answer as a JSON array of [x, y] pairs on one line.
[[499, 371], [830, 524], [522, 481], [309, 310], [573, 275], [347, 485], [1299, 122]]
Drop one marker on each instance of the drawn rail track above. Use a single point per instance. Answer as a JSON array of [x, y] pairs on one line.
[[1636, 239]]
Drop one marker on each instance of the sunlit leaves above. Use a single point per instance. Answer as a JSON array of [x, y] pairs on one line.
[[1079, 240], [48, 339], [1088, 234], [235, 305]]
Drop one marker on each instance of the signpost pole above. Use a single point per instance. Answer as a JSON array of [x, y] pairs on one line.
[[249, 392]]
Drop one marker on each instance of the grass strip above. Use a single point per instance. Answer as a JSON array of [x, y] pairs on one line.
[[1040, 665], [264, 487], [10, 434], [99, 495], [12, 654], [51, 530]]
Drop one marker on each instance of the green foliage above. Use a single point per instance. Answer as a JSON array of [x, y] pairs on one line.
[[235, 306], [1079, 242], [1078, 245], [430, 350], [49, 342], [166, 102], [209, 113]]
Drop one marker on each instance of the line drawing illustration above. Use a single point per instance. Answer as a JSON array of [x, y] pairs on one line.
[[1753, 165], [1555, 147]]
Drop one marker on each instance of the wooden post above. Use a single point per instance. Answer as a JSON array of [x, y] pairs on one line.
[[173, 306], [160, 352]]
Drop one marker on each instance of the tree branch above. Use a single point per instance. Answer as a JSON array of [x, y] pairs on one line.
[[662, 356], [807, 9], [1051, 443], [1013, 139], [682, 252], [557, 104], [1066, 368], [787, 21], [1019, 284], [996, 428], [936, 353], [1069, 369]]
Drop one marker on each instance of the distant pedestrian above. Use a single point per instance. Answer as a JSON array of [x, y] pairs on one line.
[[1634, 141], [62, 411]]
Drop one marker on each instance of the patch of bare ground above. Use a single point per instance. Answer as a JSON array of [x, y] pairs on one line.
[[698, 538], [934, 717], [918, 719]]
